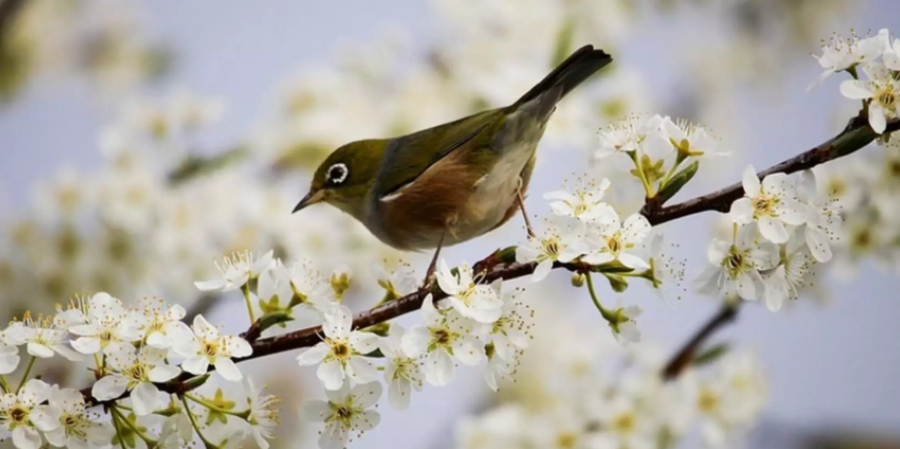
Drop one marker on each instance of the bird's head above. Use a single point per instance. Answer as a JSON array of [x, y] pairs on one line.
[[345, 177]]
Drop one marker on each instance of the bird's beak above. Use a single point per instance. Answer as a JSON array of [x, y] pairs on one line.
[[312, 197]]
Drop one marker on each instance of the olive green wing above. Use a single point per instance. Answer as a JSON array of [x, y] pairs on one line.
[[408, 156]]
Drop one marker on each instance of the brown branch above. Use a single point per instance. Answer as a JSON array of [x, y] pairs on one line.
[[501, 264], [855, 136], [685, 356]]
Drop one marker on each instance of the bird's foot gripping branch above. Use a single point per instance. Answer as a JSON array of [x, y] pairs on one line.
[[162, 383]]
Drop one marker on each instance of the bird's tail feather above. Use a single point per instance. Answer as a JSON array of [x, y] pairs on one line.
[[565, 77]]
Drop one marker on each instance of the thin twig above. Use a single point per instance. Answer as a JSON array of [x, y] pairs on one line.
[[501, 264], [685, 356]]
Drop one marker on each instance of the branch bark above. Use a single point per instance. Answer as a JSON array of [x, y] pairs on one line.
[[502, 265]]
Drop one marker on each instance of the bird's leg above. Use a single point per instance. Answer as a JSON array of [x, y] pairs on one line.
[[429, 275], [521, 200]]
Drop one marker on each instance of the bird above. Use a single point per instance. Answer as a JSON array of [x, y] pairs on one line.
[[453, 182]]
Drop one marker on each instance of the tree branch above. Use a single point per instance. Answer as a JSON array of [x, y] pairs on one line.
[[502, 265], [685, 356]]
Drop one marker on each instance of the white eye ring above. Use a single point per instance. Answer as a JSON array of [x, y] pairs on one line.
[[341, 174]]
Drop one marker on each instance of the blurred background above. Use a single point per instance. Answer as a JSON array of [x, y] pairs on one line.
[[140, 140]]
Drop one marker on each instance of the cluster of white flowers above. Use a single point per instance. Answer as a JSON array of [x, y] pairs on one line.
[[782, 227], [134, 351], [866, 189], [878, 58], [587, 230], [476, 323], [663, 152], [579, 392]]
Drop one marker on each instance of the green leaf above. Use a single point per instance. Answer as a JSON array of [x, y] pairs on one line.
[[195, 166], [710, 355], [678, 181]]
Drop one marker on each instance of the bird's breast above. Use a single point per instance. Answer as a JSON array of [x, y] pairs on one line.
[[452, 201]]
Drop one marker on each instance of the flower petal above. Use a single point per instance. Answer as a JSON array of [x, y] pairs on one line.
[[331, 373], [109, 387], [228, 370], [361, 370], [145, 398], [314, 354]]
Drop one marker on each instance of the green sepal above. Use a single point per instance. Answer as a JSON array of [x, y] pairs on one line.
[[674, 185], [710, 354], [617, 282], [375, 354], [380, 329], [195, 382], [277, 318]]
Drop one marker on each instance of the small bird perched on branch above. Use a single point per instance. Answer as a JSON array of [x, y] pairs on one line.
[[453, 182]]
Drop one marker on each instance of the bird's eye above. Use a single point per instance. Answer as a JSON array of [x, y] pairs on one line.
[[337, 173]]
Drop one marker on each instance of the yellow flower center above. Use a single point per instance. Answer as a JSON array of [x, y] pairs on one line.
[[614, 243], [210, 348], [566, 440], [764, 206], [18, 415], [708, 401], [441, 336], [624, 423]]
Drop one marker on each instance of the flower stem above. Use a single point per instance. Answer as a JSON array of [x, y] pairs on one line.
[[190, 414], [607, 315], [243, 414], [116, 413], [27, 373], [636, 158], [115, 421], [246, 290], [4, 386]]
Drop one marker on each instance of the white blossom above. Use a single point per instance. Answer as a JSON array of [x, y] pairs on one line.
[[105, 327], [730, 402], [624, 425], [263, 417], [236, 270], [619, 241], [398, 282], [9, 354], [402, 373], [844, 54], [346, 411], [310, 286], [630, 135], [561, 241], [625, 329], [772, 203], [734, 267], [823, 217], [78, 428], [42, 338], [445, 337], [891, 57], [342, 352], [23, 415], [479, 302], [205, 346], [882, 91], [786, 279], [690, 139], [157, 322], [584, 202], [136, 371]]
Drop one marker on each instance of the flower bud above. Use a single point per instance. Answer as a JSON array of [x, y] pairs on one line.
[[578, 280]]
